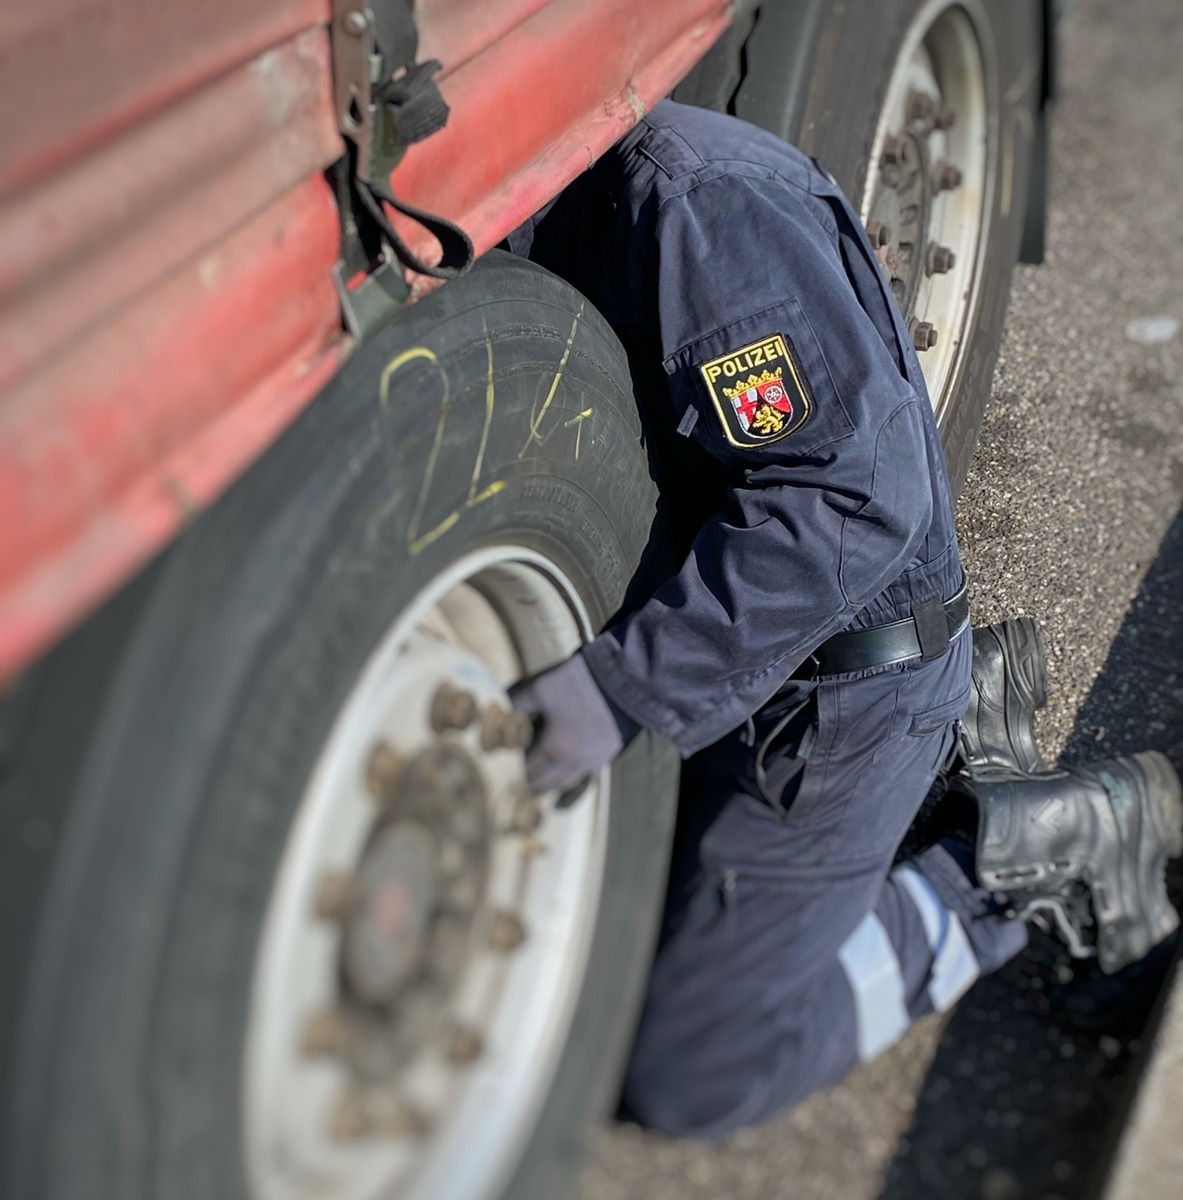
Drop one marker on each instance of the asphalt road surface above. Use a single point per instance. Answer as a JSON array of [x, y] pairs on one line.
[[1072, 514]]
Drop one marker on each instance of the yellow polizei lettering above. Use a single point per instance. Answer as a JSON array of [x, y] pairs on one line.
[[756, 355]]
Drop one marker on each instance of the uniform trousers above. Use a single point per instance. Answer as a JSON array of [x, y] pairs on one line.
[[791, 948]]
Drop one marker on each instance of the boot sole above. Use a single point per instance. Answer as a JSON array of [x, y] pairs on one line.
[[1156, 826]]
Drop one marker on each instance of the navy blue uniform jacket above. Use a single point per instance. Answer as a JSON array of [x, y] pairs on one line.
[[784, 409]]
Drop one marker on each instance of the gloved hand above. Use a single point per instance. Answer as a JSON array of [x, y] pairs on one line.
[[577, 730]]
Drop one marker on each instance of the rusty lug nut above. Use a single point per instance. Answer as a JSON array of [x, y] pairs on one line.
[[505, 729], [945, 177], [506, 932], [325, 1033], [924, 335], [350, 1120], [334, 894], [464, 1046], [940, 259], [452, 708], [921, 106], [879, 232], [893, 151], [383, 772]]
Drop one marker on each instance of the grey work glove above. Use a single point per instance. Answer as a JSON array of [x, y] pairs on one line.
[[577, 732]]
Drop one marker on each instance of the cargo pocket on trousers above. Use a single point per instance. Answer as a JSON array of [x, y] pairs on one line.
[[942, 724], [931, 720]]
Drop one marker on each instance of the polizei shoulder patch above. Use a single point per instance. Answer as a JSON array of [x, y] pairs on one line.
[[758, 392]]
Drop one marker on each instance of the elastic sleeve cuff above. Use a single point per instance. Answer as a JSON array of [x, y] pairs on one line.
[[628, 726]]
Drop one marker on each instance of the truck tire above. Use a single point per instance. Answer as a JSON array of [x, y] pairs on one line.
[[837, 79], [296, 922]]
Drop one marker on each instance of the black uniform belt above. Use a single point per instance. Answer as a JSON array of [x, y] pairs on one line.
[[924, 635]]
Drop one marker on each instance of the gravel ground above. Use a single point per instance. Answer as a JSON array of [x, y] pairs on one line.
[[1071, 514]]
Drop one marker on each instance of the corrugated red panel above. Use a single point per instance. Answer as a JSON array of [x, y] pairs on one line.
[[74, 73], [87, 239], [107, 451], [530, 112]]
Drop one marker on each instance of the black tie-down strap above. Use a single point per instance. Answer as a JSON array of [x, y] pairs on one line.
[[456, 245], [403, 106], [417, 109]]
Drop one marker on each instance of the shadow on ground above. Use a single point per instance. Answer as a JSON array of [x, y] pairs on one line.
[[1020, 1104]]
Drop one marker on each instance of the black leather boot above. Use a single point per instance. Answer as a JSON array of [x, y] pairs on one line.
[[1085, 847], [1009, 684]]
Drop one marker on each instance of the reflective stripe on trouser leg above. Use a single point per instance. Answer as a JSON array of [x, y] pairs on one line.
[[877, 984], [924, 963], [954, 967]]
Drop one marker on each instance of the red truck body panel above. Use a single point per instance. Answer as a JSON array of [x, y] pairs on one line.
[[167, 237]]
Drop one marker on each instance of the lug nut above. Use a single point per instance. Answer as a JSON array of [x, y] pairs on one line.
[[879, 232], [924, 335], [940, 259], [349, 1119], [334, 894], [464, 1046], [383, 772], [945, 177], [506, 932], [893, 151], [921, 106], [452, 708], [325, 1033], [505, 729]]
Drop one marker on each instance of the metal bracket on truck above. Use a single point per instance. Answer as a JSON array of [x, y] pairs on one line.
[[386, 101]]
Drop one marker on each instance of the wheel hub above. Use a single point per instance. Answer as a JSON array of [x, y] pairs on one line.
[[924, 198], [902, 206], [429, 926]]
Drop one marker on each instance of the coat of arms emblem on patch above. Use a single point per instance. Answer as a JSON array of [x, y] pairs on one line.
[[758, 392]]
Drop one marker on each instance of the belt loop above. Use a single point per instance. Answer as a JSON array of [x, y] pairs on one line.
[[932, 629]]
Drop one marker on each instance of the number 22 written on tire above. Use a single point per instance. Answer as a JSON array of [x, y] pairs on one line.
[[417, 540]]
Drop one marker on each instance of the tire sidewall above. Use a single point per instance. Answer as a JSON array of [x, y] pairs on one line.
[[263, 616]]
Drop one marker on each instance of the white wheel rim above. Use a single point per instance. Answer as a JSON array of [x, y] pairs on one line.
[[489, 617], [944, 55]]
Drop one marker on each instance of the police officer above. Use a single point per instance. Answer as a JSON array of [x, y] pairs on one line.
[[809, 649]]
